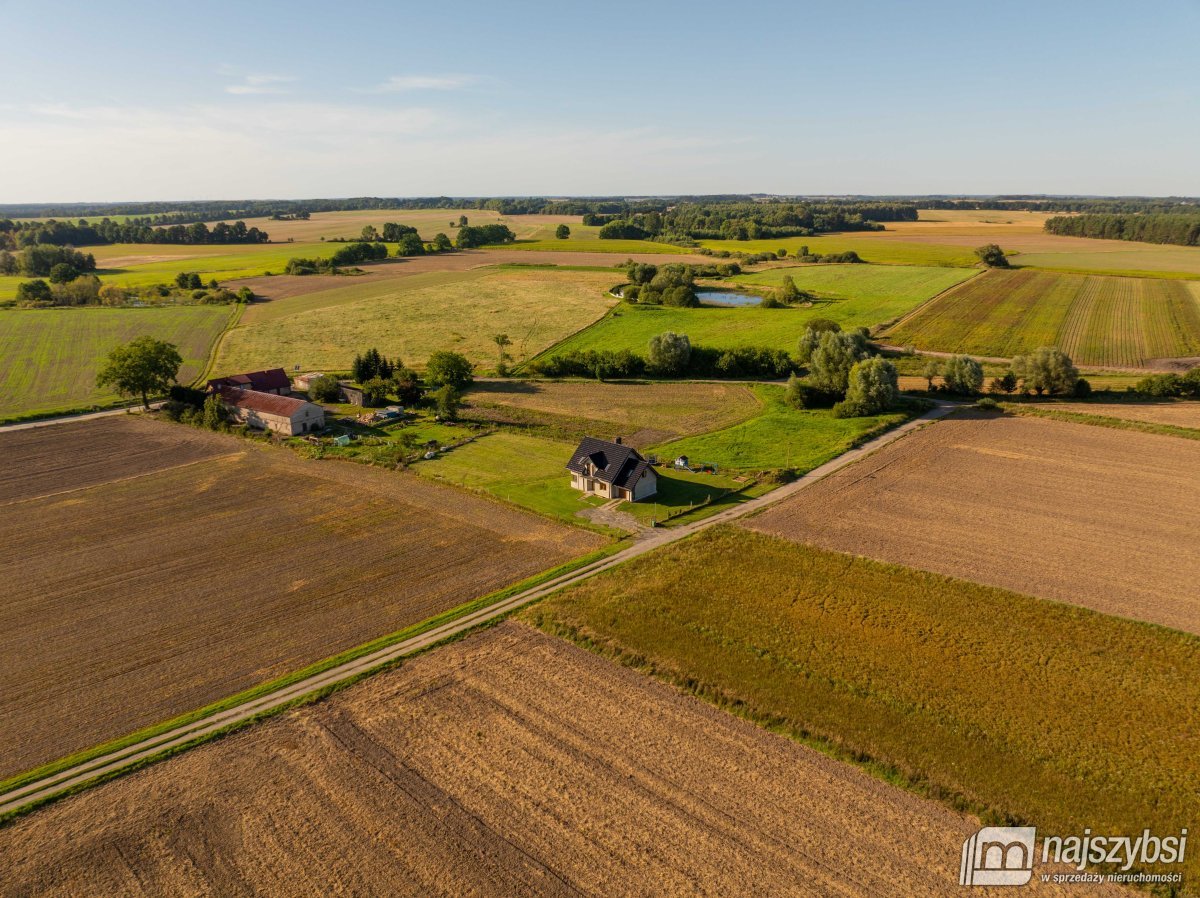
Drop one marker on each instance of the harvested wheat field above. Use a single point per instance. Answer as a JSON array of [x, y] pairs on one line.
[[1173, 413], [643, 414], [128, 602], [510, 763], [1094, 516]]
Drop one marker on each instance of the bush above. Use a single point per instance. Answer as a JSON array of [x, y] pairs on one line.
[[962, 374], [1161, 386], [1082, 390], [448, 369], [186, 395], [446, 400], [669, 353], [1047, 370], [873, 388], [992, 256], [324, 388], [987, 404], [805, 395]]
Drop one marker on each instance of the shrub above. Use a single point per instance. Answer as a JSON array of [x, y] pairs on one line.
[[1046, 370], [446, 400], [324, 388], [1161, 386], [1082, 389], [836, 354], [186, 395], [987, 404], [448, 369], [804, 395], [992, 256], [873, 388], [962, 374], [669, 353]]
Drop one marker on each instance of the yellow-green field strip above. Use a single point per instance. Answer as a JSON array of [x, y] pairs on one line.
[[62, 778]]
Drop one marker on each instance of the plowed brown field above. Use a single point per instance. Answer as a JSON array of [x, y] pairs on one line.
[[128, 602], [507, 764], [1090, 515]]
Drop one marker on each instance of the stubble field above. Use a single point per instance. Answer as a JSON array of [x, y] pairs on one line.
[[49, 357], [510, 763], [1093, 516], [1096, 320], [536, 308], [127, 602]]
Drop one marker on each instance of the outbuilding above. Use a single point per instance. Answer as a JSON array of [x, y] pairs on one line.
[[268, 411], [273, 380]]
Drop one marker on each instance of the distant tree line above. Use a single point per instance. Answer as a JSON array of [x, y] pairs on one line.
[[1063, 204], [16, 234], [1148, 227], [686, 222]]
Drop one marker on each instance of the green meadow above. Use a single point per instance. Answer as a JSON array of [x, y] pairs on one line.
[[49, 357]]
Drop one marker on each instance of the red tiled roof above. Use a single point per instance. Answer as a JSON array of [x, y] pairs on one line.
[[271, 379], [264, 403]]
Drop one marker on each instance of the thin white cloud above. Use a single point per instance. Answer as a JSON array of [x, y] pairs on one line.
[[401, 83], [260, 83]]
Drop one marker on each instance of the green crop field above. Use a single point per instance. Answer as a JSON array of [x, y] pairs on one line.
[[1096, 320], [140, 265], [49, 357], [780, 437], [535, 308], [883, 292], [870, 302], [1018, 707], [1141, 260], [882, 250]]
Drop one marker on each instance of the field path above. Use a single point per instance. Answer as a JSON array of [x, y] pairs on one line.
[[106, 765]]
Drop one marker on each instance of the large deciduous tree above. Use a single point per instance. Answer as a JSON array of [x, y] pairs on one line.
[[142, 367]]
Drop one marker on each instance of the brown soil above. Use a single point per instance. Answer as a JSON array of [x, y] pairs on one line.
[[128, 602], [507, 764], [1178, 414], [1097, 517]]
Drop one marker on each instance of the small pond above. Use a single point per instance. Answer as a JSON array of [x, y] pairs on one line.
[[727, 298]]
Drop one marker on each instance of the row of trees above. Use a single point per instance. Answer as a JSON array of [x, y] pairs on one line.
[[1155, 227], [1045, 371], [471, 236], [668, 355], [40, 261], [14, 235], [88, 290]]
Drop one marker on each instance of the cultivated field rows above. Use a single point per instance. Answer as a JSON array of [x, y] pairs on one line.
[[509, 763], [1089, 515], [128, 602]]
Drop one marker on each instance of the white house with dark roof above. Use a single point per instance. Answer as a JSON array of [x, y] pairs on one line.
[[611, 469]]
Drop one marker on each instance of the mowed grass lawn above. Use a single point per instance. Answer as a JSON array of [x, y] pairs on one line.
[[49, 357], [525, 470], [1026, 709], [878, 292], [1096, 320], [779, 438], [535, 308]]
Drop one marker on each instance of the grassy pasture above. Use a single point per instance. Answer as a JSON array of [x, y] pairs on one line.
[[778, 438], [875, 295], [1022, 708], [1096, 320], [49, 357], [535, 308], [888, 291]]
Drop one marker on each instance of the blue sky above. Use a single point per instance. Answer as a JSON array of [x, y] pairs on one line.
[[257, 99]]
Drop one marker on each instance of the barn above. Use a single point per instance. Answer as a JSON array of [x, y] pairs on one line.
[[273, 380], [611, 469], [269, 411]]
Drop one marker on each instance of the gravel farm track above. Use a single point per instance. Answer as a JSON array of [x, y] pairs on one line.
[[510, 763], [151, 569], [1089, 515]]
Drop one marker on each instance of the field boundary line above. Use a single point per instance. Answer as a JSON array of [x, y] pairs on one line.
[[235, 318], [31, 794], [884, 328]]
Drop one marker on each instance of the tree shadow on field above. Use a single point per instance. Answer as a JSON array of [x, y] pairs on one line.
[[504, 388]]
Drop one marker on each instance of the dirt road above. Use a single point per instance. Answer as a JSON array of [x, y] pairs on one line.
[[79, 774]]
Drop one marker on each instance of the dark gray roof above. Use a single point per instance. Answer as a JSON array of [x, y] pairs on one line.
[[615, 463]]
